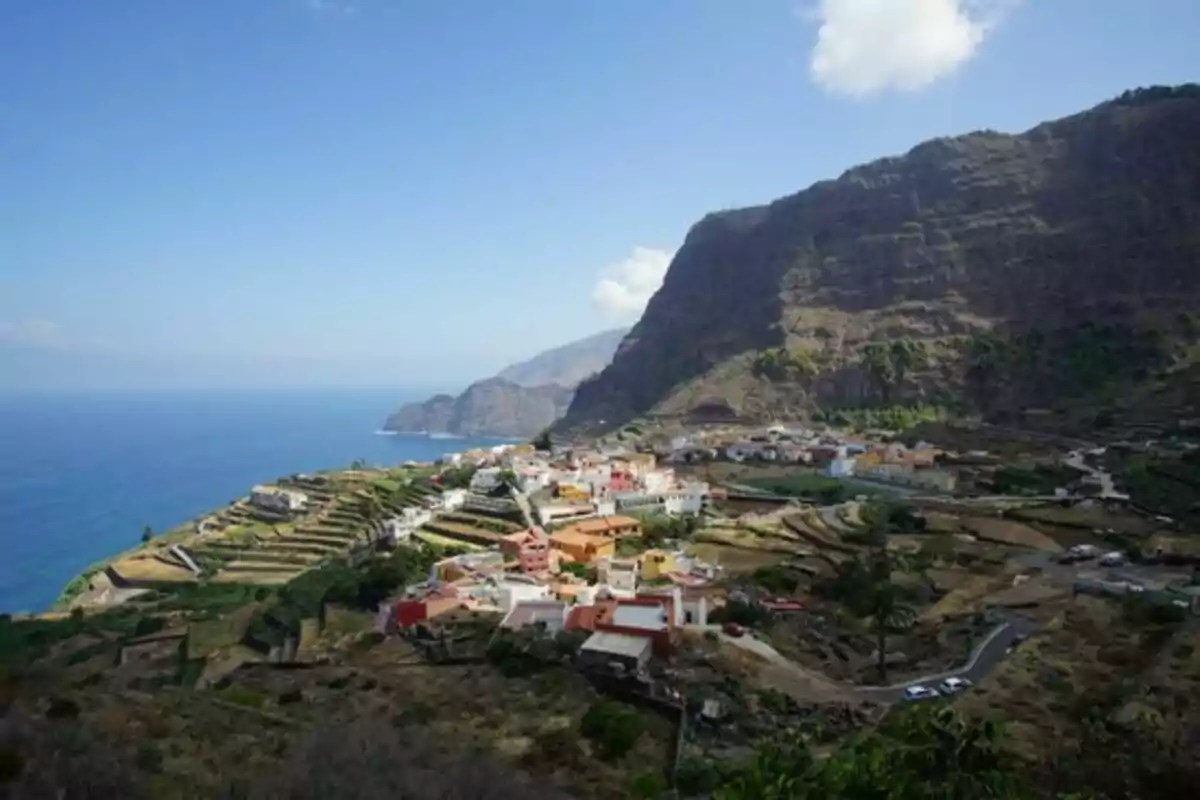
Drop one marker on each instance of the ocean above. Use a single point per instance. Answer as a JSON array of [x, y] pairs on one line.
[[81, 475]]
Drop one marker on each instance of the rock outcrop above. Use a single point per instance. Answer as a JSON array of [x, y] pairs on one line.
[[492, 407], [523, 400], [988, 271]]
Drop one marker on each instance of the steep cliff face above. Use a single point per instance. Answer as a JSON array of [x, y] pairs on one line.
[[988, 269], [569, 364], [493, 407], [523, 400]]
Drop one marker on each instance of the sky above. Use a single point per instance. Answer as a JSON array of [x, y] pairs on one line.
[[411, 193]]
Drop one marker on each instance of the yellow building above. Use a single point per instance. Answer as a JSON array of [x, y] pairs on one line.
[[657, 564], [583, 548]]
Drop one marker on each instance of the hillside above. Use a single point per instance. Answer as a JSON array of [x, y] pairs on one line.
[[569, 364], [492, 407], [989, 272], [522, 400]]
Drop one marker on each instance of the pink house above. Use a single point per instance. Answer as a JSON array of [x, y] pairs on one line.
[[530, 548]]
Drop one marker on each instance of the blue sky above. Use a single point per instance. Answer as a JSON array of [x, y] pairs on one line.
[[416, 192]]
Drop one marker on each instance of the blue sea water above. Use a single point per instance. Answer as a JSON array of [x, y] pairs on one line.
[[81, 475]]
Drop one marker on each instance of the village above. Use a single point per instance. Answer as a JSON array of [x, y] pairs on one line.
[[699, 589]]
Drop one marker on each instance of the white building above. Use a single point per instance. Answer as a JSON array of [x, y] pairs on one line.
[[551, 513], [485, 480], [532, 478], [511, 592], [659, 480], [449, 500], [550, 613], [401, 528], [273, 498], [620, 575], [451, 459]]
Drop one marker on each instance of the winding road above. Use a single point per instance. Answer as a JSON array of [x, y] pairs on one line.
[[984, 658]]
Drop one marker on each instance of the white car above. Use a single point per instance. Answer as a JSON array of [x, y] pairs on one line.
[[954, 685], [919, 692]]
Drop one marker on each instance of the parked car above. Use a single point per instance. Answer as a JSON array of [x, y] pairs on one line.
[[733, 629], [1113, 559], [920, 692], [954, 685]]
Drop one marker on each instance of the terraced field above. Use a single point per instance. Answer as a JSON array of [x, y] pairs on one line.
[[248, 551], [467, 533], [498, 525]]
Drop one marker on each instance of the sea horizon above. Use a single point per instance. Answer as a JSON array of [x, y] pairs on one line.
[[86, 470]]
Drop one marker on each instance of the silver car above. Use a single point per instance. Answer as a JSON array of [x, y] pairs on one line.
[[954, 685], [920, 692]]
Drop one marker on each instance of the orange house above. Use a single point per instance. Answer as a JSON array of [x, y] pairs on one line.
[[615, 527], [582, 547]]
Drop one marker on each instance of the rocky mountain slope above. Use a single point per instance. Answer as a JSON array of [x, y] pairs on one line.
[[989, 271], [569, 364], [522, 400], [492, 407]]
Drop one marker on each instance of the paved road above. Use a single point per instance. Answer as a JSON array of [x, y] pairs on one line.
[[1075, 459], [986, 656]]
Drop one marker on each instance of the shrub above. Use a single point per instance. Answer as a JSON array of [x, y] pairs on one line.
[[148, 625], [696, 777], [647, 785], [149, 757], [612, 728], [776, 579]]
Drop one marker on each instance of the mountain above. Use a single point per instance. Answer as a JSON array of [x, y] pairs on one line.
[[492, 407], [569, 364], [988, 272], [522, 400]]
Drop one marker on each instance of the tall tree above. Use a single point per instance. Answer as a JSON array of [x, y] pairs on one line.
[[888, 610]]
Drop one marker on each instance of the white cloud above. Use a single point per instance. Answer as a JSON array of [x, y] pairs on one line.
[[869, 46], [41, 334], [624, 288]]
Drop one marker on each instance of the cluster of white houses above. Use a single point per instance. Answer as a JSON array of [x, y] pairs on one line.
[[835, 454], [563, 571]]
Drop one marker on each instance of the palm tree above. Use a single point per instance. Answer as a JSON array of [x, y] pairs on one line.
[[888, 610]]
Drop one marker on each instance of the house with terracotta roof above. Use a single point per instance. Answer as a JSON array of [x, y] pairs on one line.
[[613, 527], [648, 616], [427, 605], [582, 547], [530, 548]]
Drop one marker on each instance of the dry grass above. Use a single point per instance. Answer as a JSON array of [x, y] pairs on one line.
[[733, 559], [1011, 533]]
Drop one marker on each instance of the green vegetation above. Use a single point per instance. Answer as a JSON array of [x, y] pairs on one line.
[[613, 728], [782, 364], [27, 640], [889, 612], [458, 477], [1065, 362], [576, 569], [1169, 486], [658, 528], [808, 486], [892, 418], [890, 364], [1041, 479], [918, 752], [776, 579], [895, 515], [542, 441]]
